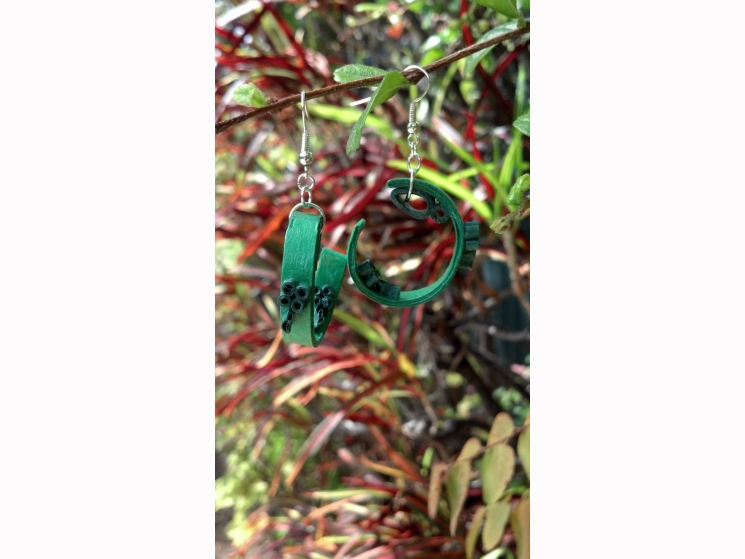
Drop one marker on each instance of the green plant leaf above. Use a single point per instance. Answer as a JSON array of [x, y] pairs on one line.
[[352, 72], [435, 487], [392, 82], [501, 429], [506, 7], [458, 478], [523, 123], [497, 468], [520, 521], [497, 515], [473, 531], [523, 450], [473, 60], [515, 197], [249, 95]]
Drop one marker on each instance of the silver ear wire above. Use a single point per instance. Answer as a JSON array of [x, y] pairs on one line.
[[414, 162], [305, 182]]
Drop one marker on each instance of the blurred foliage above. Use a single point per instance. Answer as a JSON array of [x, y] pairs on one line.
[[404, 434]]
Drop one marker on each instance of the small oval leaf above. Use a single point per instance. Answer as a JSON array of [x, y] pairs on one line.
[[506, 7], [473, 531], [497, 515], [515, 197], [435, 487], [497, 468], [520, 522], [392, 82], [523, 123], [249, 95], [458, 478], [523, 450], [473, 59], [352, 72], [457, 487], [501, 429], [470, 449]]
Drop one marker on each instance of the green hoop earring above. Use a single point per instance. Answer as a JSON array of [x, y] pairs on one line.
[[311, 275], [440, 208]]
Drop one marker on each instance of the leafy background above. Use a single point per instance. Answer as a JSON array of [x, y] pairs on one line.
[[406, 432]]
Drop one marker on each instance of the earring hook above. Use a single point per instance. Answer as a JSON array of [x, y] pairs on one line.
[[304, 111], [426, 75]]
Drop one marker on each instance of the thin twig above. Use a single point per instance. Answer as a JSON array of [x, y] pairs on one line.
[[412, 76]]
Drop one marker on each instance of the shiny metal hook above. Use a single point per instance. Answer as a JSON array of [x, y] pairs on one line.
[[304, 111], [426, 75]]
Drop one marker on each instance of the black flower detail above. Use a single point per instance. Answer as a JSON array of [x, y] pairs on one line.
[[372, 279], [293, 297], [471, 244], [323, 301]]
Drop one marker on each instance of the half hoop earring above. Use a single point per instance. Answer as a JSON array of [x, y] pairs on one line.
[[439, 207], [311, 275]]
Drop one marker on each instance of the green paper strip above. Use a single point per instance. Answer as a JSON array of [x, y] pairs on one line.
[[307, 263], [416, 296]]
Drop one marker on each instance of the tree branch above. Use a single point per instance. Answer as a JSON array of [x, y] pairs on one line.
[[412, 75]]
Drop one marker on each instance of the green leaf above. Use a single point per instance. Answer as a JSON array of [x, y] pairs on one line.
[[435, 487], [473, 60], [523, 123], [473, 531], [392, 82], [506, 7], [523, 450], [520, 521], [505, 222], [458, 478], [501, 429], [249, 95], [497, 468], [497, 515], [515, 197], [353, 72]]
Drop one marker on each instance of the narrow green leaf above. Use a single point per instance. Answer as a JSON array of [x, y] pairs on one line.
[[249, 95], [458, 478], [515, 197], [352, 72], [392, 82], [523, 123], [435, 487], [520, 522], [497, 468], [497, 515], [473, 531], [501, 429], [523, 450], [473, 60], [506, 7]]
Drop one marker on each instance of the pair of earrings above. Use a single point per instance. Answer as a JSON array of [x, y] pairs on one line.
[[312, 276]]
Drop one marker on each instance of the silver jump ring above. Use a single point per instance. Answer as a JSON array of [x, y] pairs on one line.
[[303, 200], [310, 205], [306, 181], [412, 157]]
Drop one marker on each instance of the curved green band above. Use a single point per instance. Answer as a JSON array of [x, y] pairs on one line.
[[416, 296], [305, 262]]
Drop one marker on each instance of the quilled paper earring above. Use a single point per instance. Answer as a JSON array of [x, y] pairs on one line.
[[439, 207], [311, 275]]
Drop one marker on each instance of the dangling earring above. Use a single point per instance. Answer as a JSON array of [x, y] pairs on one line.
[[439, 207], [311, 276]]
